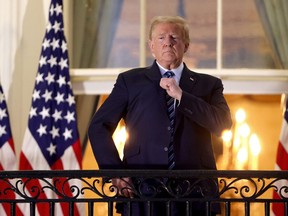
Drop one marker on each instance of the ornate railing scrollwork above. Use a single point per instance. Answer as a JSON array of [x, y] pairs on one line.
[[208, 185]]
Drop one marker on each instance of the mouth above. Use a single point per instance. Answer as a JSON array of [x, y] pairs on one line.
[[168, 51]]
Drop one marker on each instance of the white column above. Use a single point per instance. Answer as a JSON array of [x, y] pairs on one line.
[[143, 41], [219, 35]]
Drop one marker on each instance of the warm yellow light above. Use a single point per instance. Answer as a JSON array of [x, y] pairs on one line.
[[120, 135], [242, 155], [255, 145], [236, 143], [227, 135], [244, 130], [240, 115]]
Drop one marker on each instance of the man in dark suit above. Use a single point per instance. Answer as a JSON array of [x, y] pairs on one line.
[[139, 97]]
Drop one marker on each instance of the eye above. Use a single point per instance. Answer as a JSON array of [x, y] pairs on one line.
[[174, 37]]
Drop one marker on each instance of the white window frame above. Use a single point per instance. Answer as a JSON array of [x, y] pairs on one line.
[[236, 80]]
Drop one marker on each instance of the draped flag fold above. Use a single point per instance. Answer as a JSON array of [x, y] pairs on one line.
[[281, 162], [51, 140], [7, 155]]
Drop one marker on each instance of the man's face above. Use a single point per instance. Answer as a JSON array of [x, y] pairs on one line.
[[167, 45]]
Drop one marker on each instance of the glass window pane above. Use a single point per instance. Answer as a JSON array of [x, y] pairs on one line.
[[244, 41], [201, 16], [106, 33], [125, 47]]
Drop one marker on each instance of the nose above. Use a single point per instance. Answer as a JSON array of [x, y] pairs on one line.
[[168, 41]]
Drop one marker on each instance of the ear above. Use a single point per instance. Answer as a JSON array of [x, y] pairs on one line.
[[150, 43], [186, 47], [151, 46]]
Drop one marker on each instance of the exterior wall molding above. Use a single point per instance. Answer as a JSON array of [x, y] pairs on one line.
[[236, 81]]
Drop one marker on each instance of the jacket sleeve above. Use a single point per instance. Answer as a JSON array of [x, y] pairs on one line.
[[209, 110], [103, 125]]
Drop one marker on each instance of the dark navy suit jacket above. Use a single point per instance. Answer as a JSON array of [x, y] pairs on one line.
[[138, 98]]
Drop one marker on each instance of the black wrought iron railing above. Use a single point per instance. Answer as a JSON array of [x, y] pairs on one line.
[[236, 192]]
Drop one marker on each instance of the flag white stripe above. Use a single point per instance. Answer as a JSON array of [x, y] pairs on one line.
[[8, 158], [25, 209], [68, 159], [283, 144], [2, 211], [33, 152], [37, 161], [52, 127], [69, 163], [284, 136]]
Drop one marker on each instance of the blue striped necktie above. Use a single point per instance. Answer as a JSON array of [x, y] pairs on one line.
[[171, 114]]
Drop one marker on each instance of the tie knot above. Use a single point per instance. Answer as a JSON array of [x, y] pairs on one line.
[[169, 74]]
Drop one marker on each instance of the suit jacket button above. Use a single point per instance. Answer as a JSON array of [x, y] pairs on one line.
[[165, 149]]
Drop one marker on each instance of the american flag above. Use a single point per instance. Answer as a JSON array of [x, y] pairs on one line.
[[51, 140], [7, 154], [281, 161]]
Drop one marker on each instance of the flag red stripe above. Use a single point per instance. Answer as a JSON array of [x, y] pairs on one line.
[[25, 164], [51, 141], [277, 208], [281, 164], [7, 194], [7, 158], [11, 143], [59, 183], [33, 184], [282, 157], [63, 187], [7, 207]]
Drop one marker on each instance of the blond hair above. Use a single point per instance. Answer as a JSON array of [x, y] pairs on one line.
[[171, 19]]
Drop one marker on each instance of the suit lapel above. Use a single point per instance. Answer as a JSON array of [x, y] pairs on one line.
[[187, 80], [187, 83], [153, 73]]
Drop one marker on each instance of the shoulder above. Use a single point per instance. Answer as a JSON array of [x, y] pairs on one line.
[[205, 77], [199, 80], [132, 76], [150, 71], [202, 76], [134, 72], [143, 74]]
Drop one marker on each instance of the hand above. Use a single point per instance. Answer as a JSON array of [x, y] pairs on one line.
[[123, 185], [171, 87]]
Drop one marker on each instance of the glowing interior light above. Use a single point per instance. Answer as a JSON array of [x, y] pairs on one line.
[[237, 143], [242, 155], [240, 115], [227, 137], [120, 136], [255, 145], [244, 130]]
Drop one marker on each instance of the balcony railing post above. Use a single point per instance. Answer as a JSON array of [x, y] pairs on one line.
[[242, 191]]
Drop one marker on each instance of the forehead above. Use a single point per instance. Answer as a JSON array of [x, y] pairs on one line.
[[167, 28]]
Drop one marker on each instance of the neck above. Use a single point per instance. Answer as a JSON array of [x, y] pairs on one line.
[[170, 66]]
